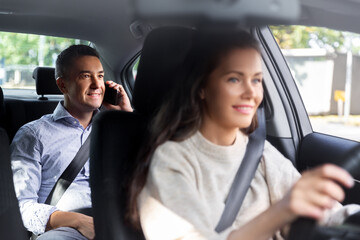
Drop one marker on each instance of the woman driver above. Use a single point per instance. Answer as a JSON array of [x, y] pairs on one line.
[[198, 140]]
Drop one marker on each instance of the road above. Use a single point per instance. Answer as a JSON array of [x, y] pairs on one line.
[[336, 127]]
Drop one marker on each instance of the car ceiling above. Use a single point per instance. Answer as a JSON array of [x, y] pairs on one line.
[[341, 15], [106, 23]]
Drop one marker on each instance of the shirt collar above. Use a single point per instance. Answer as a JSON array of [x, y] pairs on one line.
[[61, 113]]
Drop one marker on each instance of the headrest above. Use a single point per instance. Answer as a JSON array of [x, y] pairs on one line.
[[163, 54], [45, 81]]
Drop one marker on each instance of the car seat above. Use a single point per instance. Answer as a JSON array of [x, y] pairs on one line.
[[11, 225], [22, 111], [117, 136]]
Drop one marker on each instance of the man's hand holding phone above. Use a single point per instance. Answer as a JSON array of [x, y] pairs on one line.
[[115, 97], [111, 95]]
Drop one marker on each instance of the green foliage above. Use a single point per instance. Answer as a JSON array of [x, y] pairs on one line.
[[24, 49], [136, 65]]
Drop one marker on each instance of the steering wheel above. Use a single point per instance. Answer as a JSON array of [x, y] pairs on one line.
[[306, 228]]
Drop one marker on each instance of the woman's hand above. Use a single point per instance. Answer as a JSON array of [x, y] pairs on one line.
[[124, 103], [316, 191]]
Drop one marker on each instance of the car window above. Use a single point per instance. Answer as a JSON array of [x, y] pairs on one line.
[[135, 67], [325, 65], [21, 53]]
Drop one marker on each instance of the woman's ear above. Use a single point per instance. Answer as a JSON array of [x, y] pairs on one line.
[[61, 85]]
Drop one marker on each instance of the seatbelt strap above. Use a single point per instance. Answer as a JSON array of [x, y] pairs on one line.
[[245, 173], [68, 176]]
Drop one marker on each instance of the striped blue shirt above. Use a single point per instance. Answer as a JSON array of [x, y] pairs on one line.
[[40, 152]]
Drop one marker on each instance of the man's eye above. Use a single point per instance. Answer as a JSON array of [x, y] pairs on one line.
[[101, 76], [85, 75]]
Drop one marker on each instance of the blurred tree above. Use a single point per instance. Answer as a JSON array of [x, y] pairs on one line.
[[309, 37], [23, 49]]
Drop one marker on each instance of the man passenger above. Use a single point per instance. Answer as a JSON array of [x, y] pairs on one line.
[[42, 149]]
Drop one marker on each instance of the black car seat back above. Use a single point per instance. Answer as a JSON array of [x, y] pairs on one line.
[[11, 225], [118, 136], [115, 140], [2, 110], [162, 57]]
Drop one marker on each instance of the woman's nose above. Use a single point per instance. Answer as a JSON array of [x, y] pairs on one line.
[[248, 89]]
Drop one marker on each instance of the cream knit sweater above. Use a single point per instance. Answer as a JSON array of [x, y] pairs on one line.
[[189, 181]]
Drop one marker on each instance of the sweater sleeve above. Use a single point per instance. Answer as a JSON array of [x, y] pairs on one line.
[[170, 204], [280, 173]]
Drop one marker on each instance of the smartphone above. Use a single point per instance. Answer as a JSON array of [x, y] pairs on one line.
[[111, 95]]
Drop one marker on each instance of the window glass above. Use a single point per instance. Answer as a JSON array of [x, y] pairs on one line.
[[135, 67], [21, 53], [325, 64]]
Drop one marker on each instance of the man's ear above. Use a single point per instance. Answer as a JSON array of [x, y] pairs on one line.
[[60, 82]]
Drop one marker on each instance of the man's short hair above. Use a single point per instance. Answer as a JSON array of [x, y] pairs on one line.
[[67, 56]]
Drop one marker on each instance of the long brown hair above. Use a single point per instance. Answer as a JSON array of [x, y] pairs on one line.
[[180, 116]]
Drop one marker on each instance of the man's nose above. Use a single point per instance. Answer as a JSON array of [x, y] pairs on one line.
[[96, 81]]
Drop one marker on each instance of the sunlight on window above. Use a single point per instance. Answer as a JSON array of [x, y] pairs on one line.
[[21, 53], [325, 64]]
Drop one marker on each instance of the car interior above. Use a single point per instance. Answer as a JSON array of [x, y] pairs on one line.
[[125, 31]]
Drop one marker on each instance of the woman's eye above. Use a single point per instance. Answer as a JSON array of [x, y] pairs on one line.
[[234, 80], [257, 80]]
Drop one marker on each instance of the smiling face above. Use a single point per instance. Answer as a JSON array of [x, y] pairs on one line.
[[233, 91], [83, 86]]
